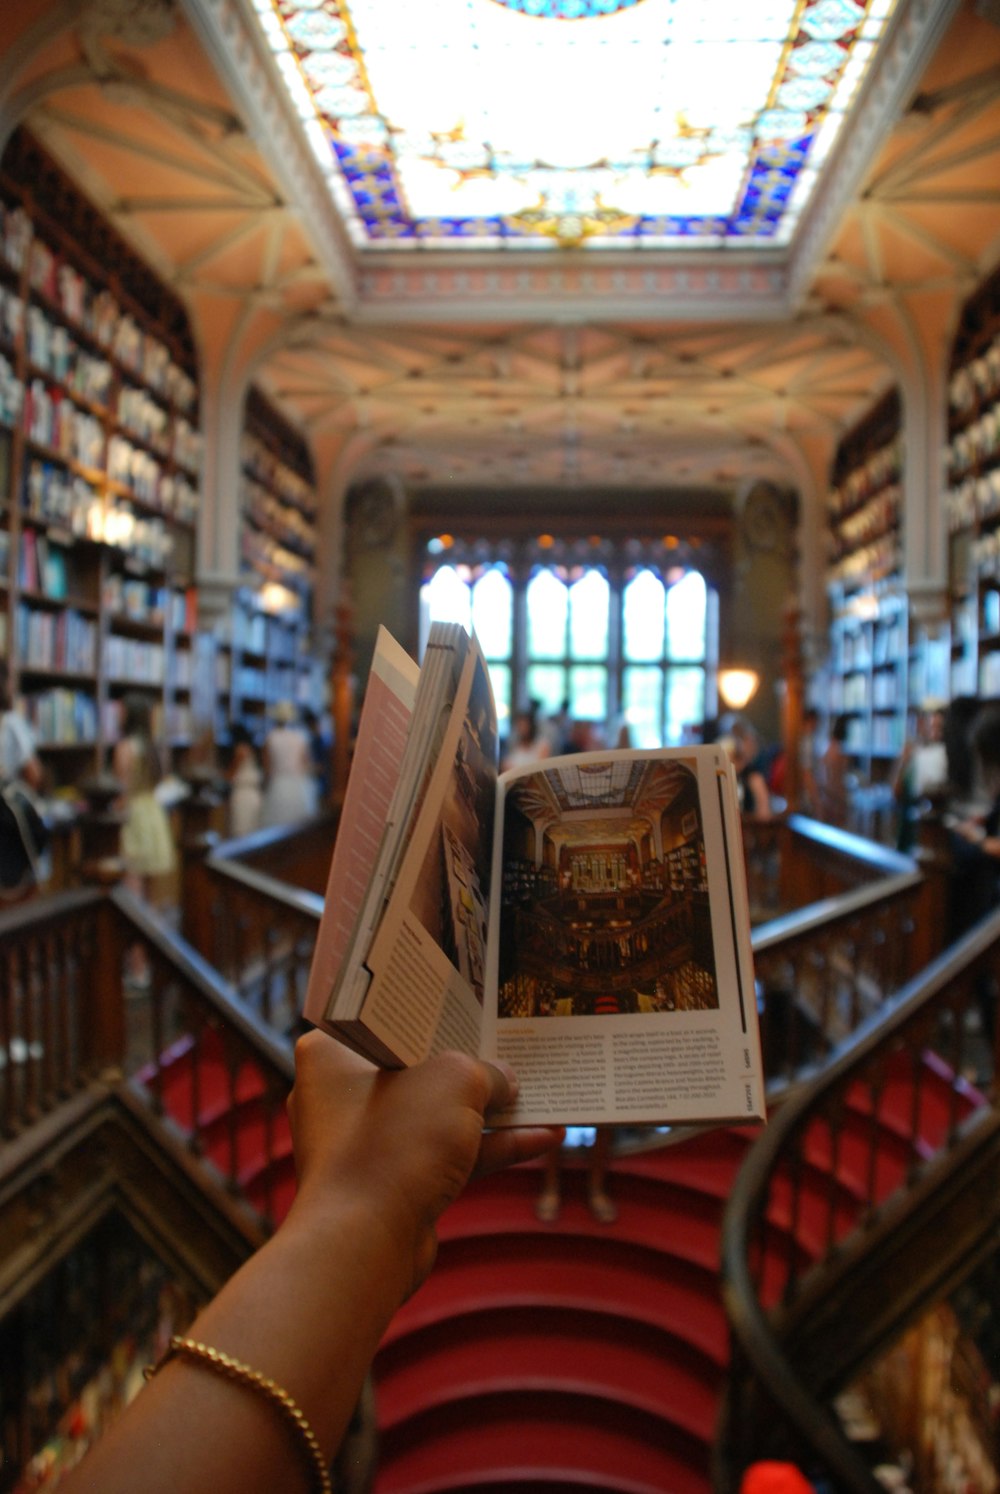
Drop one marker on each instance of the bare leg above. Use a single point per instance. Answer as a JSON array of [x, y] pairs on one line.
[[602, 1206], [549, 1201]]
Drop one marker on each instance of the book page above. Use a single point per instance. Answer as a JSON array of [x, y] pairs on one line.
[[620, 973], [381, 742], [428, 960], [444, 659]]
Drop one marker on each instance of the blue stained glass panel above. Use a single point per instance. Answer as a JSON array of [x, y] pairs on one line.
[[692, 99]]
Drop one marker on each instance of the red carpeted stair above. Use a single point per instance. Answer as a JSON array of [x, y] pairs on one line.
[[572, 1355]]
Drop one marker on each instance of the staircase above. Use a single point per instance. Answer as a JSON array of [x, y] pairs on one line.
[[573, 1355], [569, 1355]]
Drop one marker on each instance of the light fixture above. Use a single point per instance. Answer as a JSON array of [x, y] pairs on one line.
[[737, 686]]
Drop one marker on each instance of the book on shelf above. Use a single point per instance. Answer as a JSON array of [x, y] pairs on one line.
[[584, 918]]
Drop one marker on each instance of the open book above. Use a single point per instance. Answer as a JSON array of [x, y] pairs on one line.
[[584, 919]]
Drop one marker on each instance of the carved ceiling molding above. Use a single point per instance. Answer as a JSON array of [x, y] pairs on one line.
[[596, 291], [917, 30], [229, 35]]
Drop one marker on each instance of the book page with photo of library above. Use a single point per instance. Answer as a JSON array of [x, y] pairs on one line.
[[620, 960]]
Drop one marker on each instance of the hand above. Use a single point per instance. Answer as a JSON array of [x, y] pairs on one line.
[[401, 1144]]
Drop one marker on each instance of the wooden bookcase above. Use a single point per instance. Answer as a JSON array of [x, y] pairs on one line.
[[869, 642], [265, 650], [973, 498], [99, 472]]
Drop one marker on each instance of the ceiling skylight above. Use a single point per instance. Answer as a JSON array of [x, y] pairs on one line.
[[533, 123]]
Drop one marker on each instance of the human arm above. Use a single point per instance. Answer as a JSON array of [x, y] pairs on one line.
[[379, 1156]]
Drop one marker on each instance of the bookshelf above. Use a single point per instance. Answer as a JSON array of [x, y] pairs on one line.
[[869, 629], [100, 456], [973, 496], [264, 647]]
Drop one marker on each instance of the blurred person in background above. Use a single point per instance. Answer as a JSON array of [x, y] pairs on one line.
[[289, 779]]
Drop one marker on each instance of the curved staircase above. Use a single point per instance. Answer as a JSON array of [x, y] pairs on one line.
[[572, 1355]]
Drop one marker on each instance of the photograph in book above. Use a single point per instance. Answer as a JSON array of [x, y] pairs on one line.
[[451, 897], [604, 903], [620, 979]]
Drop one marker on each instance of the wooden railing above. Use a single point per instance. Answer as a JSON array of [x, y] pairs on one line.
[[252, 908], [236, 984], [794, 861], [67, 1020], [866, 1197]]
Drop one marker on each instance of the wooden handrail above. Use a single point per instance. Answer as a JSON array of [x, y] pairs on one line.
[[767, 1317]]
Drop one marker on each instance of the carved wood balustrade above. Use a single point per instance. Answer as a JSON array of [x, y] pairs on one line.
[[70, 1019], [872, 1192]]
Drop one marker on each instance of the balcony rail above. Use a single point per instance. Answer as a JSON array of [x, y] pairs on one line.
[[849, 1210], [69, 1018]]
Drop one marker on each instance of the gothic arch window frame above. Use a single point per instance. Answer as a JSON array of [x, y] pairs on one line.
[[521, 673]]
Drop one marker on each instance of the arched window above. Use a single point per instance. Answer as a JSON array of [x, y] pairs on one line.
[[616, 638], [481, 598]]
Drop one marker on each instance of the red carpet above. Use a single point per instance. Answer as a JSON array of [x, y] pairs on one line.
[[573, 1355]]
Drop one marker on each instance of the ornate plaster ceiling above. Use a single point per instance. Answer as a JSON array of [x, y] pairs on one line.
[[627, 371]]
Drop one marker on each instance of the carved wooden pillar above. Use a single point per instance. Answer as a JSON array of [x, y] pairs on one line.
[[342, 698]]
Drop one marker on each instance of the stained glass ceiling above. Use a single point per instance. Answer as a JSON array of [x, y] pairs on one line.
[[540, 123]]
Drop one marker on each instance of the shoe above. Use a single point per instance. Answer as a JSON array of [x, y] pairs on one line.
[[602, 1207], [548, 1207]]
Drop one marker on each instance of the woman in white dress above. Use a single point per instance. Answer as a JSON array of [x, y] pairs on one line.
[[290, 784], [246, 784]]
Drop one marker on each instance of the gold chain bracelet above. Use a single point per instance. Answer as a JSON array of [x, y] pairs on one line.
[[242, 1374]]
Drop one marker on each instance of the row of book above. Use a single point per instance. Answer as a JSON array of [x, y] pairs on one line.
[[976, 381], [11, 394], [288, 525], [138, 600], [979, 442], [879, 469], [136, 660], [64, 640], [42, 565], [260, 463], [52, 348], [63, 498], [52, 419], [61, 717], [98, 313], [263, 554]]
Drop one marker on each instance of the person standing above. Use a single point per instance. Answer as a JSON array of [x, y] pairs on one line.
[[147, 841], [22, 832], [290, 783], [246, 783], [832, 775]]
